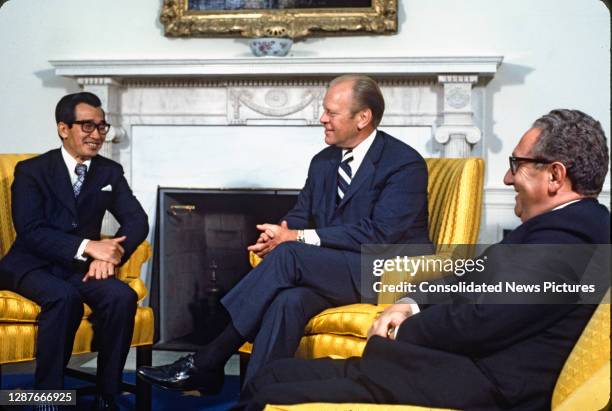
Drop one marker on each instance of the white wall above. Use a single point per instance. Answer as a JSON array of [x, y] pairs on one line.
[[556, 54]]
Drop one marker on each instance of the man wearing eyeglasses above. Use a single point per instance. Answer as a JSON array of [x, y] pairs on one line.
[[484, 355], [58, 259]]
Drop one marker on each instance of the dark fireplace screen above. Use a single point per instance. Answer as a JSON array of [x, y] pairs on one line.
[[201, 252]]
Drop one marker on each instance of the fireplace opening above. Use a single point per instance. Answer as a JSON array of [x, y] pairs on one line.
[[201, 253]]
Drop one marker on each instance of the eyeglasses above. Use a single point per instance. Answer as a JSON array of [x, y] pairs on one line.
[[89, 126], [515, 162]]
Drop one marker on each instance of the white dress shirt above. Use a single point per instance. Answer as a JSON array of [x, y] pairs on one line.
[[359, 152]]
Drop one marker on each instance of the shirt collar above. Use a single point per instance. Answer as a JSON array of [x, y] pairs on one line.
[[560, 206], [71, 162], [360, 151]]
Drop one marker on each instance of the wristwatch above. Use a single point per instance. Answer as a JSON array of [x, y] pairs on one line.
[[301, 238]]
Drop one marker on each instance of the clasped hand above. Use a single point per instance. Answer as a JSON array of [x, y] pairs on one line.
[[386, 323], [271, 236], [106, 256]]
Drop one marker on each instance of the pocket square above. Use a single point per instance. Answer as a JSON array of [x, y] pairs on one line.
[[107, 188]]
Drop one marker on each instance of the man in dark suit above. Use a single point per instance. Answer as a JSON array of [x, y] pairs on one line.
[[366, 188], [58, 259], [479, 356]]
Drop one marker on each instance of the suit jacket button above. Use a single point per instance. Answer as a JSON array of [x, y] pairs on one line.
[[74, 224]]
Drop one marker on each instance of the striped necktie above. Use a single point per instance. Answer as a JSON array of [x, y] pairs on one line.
[[345, 175], [80, 170]]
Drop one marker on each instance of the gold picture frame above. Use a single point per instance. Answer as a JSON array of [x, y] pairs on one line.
[[276, 18]]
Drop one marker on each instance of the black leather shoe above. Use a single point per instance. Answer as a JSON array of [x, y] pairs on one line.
[[184, 375], [104, 403]]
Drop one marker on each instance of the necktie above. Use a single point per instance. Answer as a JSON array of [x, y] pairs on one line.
[[344, 175], [80, 170]]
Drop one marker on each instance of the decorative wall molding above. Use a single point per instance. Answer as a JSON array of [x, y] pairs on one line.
[[458, 133], [249, 67], [181, 82], [98, 81]]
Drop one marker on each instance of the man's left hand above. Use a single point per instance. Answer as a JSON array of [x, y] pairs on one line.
[[391, 318], [271, 236], [99, 270]]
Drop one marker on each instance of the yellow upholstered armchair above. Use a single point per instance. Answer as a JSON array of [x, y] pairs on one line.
[[584, 382], [455, 201], [18, 314]]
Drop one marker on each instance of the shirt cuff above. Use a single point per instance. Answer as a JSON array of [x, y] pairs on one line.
[[414, 308], [311, 237], [79, 254]]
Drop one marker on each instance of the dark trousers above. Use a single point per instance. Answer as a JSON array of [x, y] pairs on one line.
[[271, 305], [113, 305], [459, 385]]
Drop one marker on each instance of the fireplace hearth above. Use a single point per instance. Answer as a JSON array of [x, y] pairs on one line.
[[201, 253]]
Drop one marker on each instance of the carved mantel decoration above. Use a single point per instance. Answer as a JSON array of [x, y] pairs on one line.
[[301, 102], [284, 18]]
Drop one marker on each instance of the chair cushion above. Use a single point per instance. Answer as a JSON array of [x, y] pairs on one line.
[[330, 345], [15, 308], [338, 331], [143, 332], [354, 319], [17, 340]]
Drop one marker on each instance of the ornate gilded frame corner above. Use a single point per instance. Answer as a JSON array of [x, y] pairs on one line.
[[179, 21]]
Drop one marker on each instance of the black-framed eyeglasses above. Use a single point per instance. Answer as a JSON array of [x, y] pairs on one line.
[[515, 162], [89, 126]]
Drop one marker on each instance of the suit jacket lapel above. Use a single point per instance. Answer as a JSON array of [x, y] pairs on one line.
[[60, 183], [331, 184], [366, 169]]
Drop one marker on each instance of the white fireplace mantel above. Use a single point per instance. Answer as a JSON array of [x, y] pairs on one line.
[[380, 66], [251, 86], [436, 103]]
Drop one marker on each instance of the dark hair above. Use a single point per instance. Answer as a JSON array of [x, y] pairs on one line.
[[367, 94], [578, 141], [64, 111]]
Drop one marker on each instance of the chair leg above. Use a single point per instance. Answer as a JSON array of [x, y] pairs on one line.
[[143, 389]]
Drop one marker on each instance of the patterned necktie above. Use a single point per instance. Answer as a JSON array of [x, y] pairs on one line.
[[345, 175], [80, 170]]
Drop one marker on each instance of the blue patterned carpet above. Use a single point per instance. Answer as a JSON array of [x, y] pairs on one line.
[[163, 400]]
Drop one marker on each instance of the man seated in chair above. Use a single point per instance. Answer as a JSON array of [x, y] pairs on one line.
[[478, 356], [366, 188], [58, 259]]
